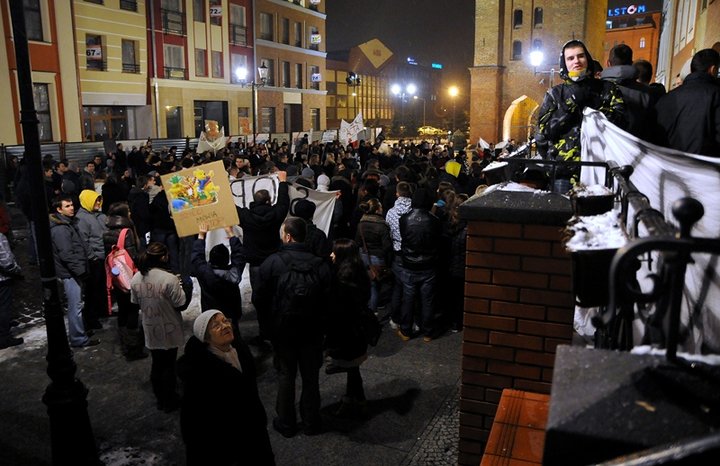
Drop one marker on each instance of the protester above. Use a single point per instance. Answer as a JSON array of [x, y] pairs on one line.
[[373, 236], [91, 224], [222, 419], [9, 271]]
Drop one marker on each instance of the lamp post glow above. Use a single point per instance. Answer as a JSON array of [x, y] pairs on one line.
[[537, 57], [398, 91], [241, 74], [453, 91]]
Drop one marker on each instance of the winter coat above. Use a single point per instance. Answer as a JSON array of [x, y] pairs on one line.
[[160, 213], [637, 98], [420, 231], [452, 251], [159, 293], [112, 192], [139, 203], [261, 226], [345, 341], [91, 225], [689, 116], [115, 225], [9, 267], [219, 287], [317, 241], [377, 237], [69, 249], [274, 266], [401, 207], [222, 419]]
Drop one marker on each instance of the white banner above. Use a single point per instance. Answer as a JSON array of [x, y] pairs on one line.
[[349, 131], [664, 176]]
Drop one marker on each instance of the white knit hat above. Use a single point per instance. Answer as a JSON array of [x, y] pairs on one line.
[[323, 182], [201, 323]]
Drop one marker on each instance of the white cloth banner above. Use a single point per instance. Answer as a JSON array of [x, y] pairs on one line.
[[664, 176], [349, 131]]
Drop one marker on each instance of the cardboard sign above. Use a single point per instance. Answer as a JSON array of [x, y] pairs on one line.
[[200, 194]]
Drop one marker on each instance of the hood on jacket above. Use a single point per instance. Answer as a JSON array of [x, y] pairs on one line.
[[88, 197], [619, 73], [564, 73], [57, 219], [452, 168]]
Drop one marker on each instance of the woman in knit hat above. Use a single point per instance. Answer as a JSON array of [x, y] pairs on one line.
[[222, 419]]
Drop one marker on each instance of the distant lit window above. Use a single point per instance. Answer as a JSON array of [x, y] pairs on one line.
[[33, 20], [642, 42], [285, 76], [298, 75], [216, 13], [608, 24], [199, 11], [537, 44], [517, 18], [200, 62], [517, 50], [538, 17]]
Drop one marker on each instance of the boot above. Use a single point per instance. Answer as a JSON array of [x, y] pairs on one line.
[[135, 344]]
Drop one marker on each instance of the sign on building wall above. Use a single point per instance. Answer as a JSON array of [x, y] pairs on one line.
[[316, 77], [94, 52], [315, 38], [625, 8], [215, 11]]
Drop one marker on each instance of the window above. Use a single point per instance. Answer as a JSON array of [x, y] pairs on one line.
[[42, 106], [98, 2], [128, 5], [94, 53], [200, 62], [217, 64], [517, 50], [33, 20], [174, 59], [271, 71], [285, 31], [237, 61], [267, 120], [129, 54], [216, 13], [173, 18], [298, 75], [537, 44], [199, 11], [642, 42], [315, 77], [101, 123], [285, 73], [538, 17], [244, 120], [315, 118], [238, 29], [517, 18], [173, 122], [297, 35], [314, 38], [266, 26]]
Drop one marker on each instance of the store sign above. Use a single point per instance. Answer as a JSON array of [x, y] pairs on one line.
[[622, 8], [94, 52], [316, 77], [315, 38], [315, 2], [215, 11]]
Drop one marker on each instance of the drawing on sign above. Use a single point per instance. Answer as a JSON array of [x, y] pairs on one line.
[[188, 192]]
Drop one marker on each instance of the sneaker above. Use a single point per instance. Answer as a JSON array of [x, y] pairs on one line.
[[402, 336], [12, 341], [90, 342], [427, 338], [393, 325]]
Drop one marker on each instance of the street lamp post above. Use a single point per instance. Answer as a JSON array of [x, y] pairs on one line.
[[241, 74], [453, 91], [403, 94], [423, 100], [536, 59]]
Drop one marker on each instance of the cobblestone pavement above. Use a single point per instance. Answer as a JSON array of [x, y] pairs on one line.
[[438, 445]]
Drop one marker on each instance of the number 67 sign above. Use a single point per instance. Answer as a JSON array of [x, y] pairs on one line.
[[94, 52]]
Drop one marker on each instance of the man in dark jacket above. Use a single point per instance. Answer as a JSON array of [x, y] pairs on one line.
[[70, 255], [316, 240], [139, 203], [260, 224], [219, 278], [689, 115], [560, 115], [298, 341], [420, 232], [636, 96]]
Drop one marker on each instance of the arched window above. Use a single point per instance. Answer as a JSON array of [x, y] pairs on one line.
[[517, 50], [642, 42], [538, 17], [517, 18]]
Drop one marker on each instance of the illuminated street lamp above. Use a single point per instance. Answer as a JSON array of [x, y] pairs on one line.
[[536, 59], [453, 91], [403, 94], [242, 73]]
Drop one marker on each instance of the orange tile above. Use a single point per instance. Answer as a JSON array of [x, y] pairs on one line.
[[528, 444], [533, 414]]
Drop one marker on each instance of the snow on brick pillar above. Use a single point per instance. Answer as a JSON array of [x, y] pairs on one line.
[[518, 304]]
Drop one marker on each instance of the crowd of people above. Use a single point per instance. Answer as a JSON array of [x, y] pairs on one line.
[[395, 250]]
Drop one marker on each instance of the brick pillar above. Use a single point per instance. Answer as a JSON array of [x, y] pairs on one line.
[[518, 304]]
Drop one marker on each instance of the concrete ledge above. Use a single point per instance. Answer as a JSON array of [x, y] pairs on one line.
[[538, 208]]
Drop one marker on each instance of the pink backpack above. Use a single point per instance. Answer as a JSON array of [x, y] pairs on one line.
[[119, 268]]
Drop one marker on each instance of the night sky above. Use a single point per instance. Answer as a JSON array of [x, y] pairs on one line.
[[431, 31]]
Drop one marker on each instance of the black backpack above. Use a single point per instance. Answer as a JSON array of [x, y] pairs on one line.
[[297, 295]]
